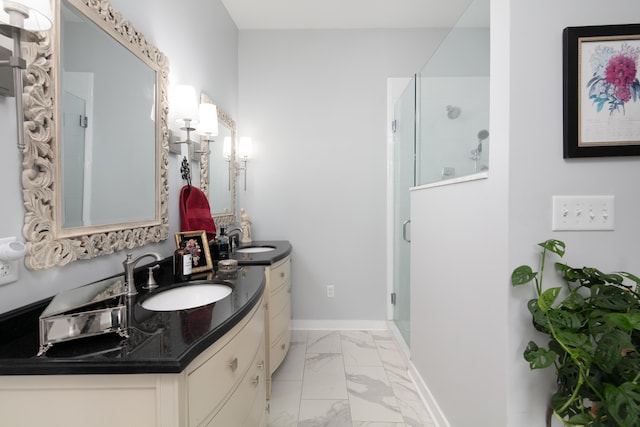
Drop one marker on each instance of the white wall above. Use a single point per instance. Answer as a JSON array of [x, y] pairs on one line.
[[538, 171], [469, 237], [202, 50], [315, 104]]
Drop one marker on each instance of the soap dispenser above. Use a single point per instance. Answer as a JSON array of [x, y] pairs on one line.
[[182, 263], [223, 244]]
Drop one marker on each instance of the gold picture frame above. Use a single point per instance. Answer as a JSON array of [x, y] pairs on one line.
[[198, 245]]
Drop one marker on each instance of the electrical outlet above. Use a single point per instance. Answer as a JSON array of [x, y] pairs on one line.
[[331, 291], [8, 269], [583, 213]]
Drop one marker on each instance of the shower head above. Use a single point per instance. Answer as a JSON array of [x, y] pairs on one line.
[[482, 135], [453, 112]]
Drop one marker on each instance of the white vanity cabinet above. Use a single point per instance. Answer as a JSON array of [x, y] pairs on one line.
[[223, 386], [277, 315]]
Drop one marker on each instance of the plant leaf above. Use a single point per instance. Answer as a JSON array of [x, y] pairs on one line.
[[578, 343], [522, 275], [564, 319], [608, 353], [538, 316], [623, 403], [573, 301], [555, 246], [612, 298], [630, 276], [626, 321], [548, 297], [629, 366], [538, 358]]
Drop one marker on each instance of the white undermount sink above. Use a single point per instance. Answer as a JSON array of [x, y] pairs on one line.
[[185, 297], [254, 249]]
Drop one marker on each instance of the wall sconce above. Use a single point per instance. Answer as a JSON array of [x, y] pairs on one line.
[[244, 152], [20, 20], [185, 104], [226, 153], [208, 127]]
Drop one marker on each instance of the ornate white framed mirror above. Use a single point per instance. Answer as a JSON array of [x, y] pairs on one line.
[[218, 168], [96, 158]]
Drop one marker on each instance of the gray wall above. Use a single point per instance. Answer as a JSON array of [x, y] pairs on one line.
[[472, 327], [315, 104], [203, 52]]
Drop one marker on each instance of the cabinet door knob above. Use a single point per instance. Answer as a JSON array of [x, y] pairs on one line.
[[284, 346], [261, 365], [282, 274], [234, 364], [256, 380]]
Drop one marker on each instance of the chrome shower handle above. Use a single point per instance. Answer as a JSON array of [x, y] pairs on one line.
[[404, 231]]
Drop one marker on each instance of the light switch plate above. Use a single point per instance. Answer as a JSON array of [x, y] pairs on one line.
[[583, 213]]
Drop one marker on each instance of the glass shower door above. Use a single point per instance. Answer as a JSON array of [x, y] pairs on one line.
[[404, 178]]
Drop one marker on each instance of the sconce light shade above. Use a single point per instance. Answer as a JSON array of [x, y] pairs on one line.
[[244, 149], [30, 15], [185, 104], [208, 120], [226, 147]]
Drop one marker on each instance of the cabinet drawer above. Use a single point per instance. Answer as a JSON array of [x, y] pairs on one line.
[[279, 350], [279, 322], [246, 406], [210, 383], [280, 274], [280, 299]]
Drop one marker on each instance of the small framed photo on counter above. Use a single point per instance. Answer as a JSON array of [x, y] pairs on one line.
[[197, 244]]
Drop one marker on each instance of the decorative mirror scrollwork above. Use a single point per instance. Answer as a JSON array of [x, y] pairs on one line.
[[49, 241], [218, 174]]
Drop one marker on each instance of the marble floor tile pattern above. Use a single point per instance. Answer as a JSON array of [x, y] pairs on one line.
[[345, 379]]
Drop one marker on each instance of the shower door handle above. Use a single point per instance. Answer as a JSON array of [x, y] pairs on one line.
[[404, 231]]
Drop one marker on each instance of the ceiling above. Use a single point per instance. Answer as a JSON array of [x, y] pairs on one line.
[[353, 14]]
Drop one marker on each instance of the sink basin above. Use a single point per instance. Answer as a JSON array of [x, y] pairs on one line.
[[254, 249], [185, 297]]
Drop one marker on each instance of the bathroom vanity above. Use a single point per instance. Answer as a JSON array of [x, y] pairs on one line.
[[206, 366], [277, 299], [202, 366]]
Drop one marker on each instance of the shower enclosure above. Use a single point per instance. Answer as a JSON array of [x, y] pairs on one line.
[[441, 135]]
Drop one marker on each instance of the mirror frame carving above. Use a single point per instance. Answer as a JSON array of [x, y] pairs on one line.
[[46, 243], [221, 219]]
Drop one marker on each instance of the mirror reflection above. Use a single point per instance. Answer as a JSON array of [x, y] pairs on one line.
[[96, 138], [217, 171], [108, 127]]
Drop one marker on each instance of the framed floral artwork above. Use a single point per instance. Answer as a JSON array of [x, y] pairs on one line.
[[196, 243], [601, 91]]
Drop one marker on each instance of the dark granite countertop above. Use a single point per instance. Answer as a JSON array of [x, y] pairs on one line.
[[282, 248], [159, 342]]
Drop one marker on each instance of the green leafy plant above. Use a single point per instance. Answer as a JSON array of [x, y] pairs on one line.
[[593, 327]]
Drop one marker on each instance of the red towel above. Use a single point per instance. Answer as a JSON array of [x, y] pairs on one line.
[[195, 213]]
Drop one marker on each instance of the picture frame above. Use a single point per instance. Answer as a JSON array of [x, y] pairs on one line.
[[198, 245], [601, 91]]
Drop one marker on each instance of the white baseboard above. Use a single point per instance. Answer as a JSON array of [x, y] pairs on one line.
[[436, 414], [339, 325]]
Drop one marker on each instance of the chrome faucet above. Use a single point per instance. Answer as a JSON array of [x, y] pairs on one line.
[[129, 265], [238, 232]]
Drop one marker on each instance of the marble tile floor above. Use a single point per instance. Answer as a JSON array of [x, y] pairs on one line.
[[345, 379]]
